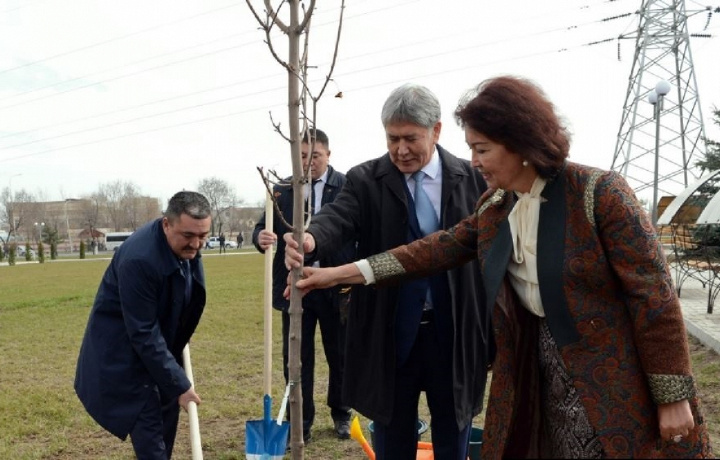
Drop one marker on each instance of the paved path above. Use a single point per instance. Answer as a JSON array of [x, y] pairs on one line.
[[694, 302]]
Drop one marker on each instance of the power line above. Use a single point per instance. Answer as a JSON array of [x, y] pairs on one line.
[[118, 38], [264, 108], [576, 26], [24, 5], [247, 95]]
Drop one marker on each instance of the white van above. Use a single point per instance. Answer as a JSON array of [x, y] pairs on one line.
[[113, 240]]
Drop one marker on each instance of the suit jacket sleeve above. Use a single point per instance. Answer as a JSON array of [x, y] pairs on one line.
[[334, 226], [140, 287]]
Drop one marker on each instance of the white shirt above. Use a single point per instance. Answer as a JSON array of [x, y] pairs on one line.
[[523, 220], [319, 187]]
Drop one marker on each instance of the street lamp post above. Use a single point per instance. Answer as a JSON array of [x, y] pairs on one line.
[[38, 227], [656, 99]]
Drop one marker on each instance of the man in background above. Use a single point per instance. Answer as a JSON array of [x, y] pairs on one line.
[[129, 374], [321, 307], [222, 243]]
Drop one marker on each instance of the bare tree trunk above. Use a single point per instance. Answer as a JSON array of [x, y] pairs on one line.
[[298, 92], [295, 336]]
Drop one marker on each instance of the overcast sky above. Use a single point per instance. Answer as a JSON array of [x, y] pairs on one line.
[[164, 93]]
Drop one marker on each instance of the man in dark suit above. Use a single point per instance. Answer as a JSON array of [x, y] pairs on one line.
[[129, 373], [428, 335], [323, 307]]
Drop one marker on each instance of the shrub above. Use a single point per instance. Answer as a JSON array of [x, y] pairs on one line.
[[28, 254], [82, 249], [2, 253], [11, 254], [41, 252], [52, 239]]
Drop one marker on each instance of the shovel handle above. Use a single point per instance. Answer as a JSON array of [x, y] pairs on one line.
[[194, 421], [195, 442], [267, 301]]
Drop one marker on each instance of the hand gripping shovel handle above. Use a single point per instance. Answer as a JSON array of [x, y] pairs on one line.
[[192, 410]]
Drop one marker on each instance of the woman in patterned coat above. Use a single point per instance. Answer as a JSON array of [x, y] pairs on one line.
[[592, 356]]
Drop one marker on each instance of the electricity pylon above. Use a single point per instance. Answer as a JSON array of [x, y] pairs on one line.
[[657, 149]]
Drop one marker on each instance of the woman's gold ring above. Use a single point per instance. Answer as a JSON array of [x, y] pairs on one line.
[[677, 438]]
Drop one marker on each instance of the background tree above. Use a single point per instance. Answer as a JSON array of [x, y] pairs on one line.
[[138, 209], [221, 196], [110, 196], [12, 253], [17, 211], [41, 252], [53, 239], [91, 211], [302, 111], [711, 162]]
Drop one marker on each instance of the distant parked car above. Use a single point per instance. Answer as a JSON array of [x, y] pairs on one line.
[[212, 243], [20, 252], [230, 244]]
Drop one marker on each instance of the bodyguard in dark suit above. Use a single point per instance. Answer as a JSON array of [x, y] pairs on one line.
[[428, 335], [129, 373], [327, 307]]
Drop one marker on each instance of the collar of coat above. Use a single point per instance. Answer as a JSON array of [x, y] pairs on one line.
[[550, 251]]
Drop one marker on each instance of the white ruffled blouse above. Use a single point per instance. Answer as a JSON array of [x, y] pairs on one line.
[[523, 221]]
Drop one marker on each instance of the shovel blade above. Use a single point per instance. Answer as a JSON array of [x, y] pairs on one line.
[[265, 440]]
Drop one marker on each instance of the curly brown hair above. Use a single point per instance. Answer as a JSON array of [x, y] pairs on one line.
[[516, 113]]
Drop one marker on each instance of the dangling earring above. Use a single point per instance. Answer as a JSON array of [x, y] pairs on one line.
[[525, 163]]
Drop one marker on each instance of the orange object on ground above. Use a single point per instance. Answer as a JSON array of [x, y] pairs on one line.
[[425, 450], [356, 434]]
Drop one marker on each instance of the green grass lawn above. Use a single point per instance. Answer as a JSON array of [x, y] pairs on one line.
[[43, 312]]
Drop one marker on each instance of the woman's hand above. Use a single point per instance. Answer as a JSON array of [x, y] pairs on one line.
[[676, 420], [323, 278]]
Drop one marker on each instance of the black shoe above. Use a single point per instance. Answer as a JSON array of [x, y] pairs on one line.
[[342, 429]]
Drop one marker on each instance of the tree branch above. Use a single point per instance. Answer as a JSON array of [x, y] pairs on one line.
[[337, 46], [276, 126], [306, 20], [278, 212], [274, 13]]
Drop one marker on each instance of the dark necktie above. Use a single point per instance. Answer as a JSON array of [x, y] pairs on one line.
[[423, 206], [312, 196]]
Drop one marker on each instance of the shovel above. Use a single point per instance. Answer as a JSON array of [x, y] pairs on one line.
[[192, 410], [267, 439]]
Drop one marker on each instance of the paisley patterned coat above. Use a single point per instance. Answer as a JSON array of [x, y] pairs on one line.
[[610, 306]]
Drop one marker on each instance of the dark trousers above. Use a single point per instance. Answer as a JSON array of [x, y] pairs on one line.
[[428, 370], [153, 435], [318, 308]]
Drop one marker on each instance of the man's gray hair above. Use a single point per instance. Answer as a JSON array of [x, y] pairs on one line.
[[411, 103], [193, 204]]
